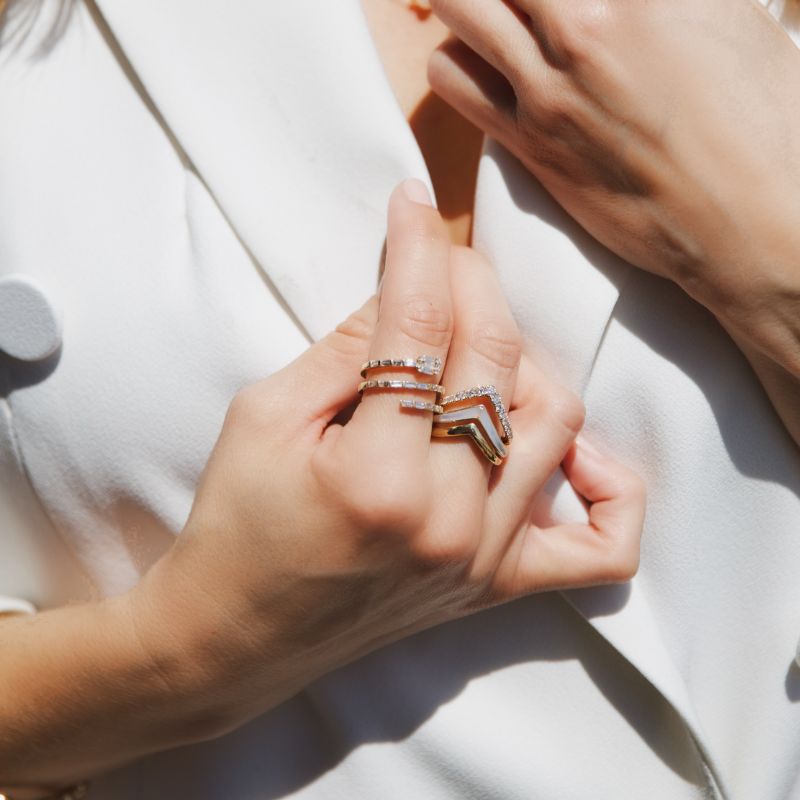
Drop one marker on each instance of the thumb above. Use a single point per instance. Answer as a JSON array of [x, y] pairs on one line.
[[324, 380]]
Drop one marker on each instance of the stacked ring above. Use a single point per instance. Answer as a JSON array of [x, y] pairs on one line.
[[480, 414], [409, 385], [425, 365]]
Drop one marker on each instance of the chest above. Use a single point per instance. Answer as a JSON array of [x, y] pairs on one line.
[[450, 144]]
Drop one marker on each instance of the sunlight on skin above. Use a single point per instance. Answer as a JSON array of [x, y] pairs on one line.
[[450, 144]]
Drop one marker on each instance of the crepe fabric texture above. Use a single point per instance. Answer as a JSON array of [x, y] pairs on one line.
[[199, 190]]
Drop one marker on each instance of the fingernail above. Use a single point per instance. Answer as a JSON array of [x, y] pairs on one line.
[[416, 191]]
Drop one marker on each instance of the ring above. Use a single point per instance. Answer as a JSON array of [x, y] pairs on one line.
[[485, 422], [425, 365], [477, 415], [475, 432], [490, 398], [414, 386], [421, 405]]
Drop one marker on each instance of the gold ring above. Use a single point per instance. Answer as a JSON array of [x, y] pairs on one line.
[[412, 386], [476, 415], [475, 432], [425, 365], [490, 398]]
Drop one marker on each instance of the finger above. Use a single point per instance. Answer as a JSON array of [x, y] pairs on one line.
[[497, 31], [574, 555], [472, 86], [546, 418], [485, 351], [315, 387], [414, 319]]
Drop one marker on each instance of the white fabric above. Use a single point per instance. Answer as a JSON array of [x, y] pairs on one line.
[[203, 192]]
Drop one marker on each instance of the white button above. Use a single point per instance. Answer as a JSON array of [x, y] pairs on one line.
[[12, 605], [30, 327]]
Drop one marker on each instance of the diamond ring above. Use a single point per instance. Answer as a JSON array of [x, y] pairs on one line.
[[425, 365], [480, 414]]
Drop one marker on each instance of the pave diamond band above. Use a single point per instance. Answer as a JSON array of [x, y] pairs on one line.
[[413, 386], [492, 396], [425, 365]]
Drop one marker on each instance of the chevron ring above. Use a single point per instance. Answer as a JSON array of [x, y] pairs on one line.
[[480, 414]]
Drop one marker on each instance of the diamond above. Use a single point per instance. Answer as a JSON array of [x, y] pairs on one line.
[[429, 365], [493, 395]]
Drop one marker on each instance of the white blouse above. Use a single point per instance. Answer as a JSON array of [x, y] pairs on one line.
[[190, 193]]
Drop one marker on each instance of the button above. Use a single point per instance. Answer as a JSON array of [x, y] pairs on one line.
[[13, 605], [30, 327], [797, 654]]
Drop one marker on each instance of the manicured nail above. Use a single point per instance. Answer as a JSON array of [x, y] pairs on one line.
[[416, 191]]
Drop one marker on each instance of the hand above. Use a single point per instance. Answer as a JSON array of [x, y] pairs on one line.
[[669, 129], [314, 539]]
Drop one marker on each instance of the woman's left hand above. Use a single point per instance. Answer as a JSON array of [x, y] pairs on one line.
[[669, 129]]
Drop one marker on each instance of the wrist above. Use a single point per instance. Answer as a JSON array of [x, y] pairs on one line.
[[755, 293], [187, 648]]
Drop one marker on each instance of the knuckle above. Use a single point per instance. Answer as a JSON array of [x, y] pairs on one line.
[[572, 36], [437, 551], [426, 322], [386, 503], [352, 335], [624, 564], [628, 485], [635, 488], [558, 117], [501, 345], [562, 407], [248, 406]]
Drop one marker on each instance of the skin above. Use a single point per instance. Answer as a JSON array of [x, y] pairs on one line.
[[450, 143], [368, 538], [558, 93], [669, 129]]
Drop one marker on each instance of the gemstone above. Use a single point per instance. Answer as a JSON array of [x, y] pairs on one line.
[[429, 365]]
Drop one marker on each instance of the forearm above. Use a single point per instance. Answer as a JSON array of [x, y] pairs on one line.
[[80, 695]]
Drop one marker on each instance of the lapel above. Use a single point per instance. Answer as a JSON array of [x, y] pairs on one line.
[[262, 98], [563, 287], [622, 616]]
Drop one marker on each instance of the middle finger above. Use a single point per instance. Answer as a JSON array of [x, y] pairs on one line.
[[485, 351]]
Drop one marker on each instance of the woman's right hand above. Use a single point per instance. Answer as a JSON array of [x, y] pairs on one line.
[[314, 540]]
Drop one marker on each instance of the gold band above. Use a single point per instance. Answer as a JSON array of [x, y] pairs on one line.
[[491, 400], [478, 415], [475, 433]]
